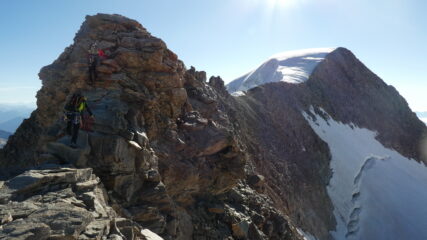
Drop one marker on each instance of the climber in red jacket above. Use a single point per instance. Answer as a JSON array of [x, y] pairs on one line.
[[95, 55], [102, 54]]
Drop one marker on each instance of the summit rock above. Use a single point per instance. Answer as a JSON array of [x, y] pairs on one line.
[[162, 151]]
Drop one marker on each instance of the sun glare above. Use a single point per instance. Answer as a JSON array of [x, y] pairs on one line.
[[281, 3]]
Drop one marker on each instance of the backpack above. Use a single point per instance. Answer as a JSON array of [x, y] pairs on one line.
[[87, 123], [73, 104]]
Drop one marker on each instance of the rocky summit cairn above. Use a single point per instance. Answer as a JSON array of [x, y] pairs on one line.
[[162, 160]]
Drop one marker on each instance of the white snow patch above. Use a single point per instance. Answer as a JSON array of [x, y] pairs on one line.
[[424, 120], [291, 67], [377, 193], [149, 235], [238, 94], [305, 235]]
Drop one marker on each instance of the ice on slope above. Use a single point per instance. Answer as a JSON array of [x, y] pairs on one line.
[[291, 67], [306, 235], [377, 193]]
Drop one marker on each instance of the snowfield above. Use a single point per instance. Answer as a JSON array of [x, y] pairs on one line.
[[291, 67], [377, 193]]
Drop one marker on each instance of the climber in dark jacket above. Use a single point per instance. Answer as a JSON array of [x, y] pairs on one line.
[[93, 62], [73, 114]]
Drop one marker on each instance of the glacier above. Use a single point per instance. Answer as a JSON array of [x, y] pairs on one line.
[[377, 193]]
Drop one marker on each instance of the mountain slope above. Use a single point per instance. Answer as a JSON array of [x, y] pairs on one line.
[[12, 124], [296, 160]]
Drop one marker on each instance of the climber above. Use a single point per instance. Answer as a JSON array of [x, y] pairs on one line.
[[92, 62], [74, 110], [102, 54]]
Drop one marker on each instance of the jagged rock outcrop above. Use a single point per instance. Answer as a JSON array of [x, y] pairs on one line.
[[163, 148], [60, 203]]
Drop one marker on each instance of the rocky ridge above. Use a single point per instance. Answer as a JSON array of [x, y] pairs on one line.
[[162, 155]]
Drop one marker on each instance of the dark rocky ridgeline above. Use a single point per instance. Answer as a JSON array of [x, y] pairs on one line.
[[165, 155], [294, 160]]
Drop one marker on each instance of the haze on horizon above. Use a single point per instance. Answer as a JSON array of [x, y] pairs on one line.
[[227, 37]]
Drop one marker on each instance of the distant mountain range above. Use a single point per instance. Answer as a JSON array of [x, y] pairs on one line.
[[4, 134], [11, 115], [3, 138], [12, 124]]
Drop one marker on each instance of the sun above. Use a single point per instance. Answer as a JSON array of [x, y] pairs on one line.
[[281, 3]]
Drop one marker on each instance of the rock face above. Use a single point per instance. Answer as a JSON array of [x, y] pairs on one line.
[[163, 154], [60, 203]]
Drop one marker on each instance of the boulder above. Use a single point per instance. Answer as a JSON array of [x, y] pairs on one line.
[[51, 203]]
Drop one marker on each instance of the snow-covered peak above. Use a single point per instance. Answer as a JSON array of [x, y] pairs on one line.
[[291, 67], [303, 53]]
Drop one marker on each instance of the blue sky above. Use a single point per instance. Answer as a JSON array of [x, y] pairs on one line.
[[227, 37]]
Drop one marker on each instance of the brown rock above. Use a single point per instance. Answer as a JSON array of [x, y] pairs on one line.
[[240, 230], [115, 67], [216, 210]]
